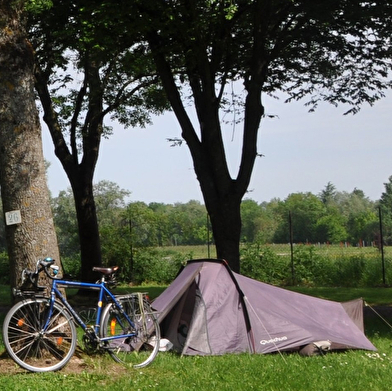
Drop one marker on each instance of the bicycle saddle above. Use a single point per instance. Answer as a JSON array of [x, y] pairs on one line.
[[105, 270]]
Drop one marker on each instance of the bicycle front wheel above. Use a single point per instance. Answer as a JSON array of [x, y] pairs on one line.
[[139, 349], [36, 343]]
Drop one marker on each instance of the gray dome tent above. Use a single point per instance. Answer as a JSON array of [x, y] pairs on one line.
[[208, 310]]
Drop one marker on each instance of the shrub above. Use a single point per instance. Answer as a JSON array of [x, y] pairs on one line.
[[264, 264], [154, 266], [71, 267], [313, 266]]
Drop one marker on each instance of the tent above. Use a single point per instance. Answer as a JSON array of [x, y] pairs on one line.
[[209, 310]]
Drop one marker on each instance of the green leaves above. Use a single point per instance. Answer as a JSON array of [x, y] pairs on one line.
[[38, 6]]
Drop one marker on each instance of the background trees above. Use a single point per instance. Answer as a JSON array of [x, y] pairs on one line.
[[139, 236], [386, 208], [126, 227]]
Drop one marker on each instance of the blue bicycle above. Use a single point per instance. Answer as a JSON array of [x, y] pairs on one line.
[[39, 331]]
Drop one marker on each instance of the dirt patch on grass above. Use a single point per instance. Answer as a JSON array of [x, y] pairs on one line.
[[79, 363]]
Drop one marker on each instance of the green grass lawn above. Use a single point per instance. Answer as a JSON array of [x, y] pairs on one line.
[[351, 370]]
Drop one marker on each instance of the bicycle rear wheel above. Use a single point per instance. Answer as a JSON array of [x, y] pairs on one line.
[[33, 347], [139, 350]]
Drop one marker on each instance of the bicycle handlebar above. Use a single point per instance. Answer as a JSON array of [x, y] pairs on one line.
[[31, 276]]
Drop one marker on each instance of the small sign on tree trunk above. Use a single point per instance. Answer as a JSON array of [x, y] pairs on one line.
[[13, 217]]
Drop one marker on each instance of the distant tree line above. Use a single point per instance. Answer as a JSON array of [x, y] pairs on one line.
[[331, 216]]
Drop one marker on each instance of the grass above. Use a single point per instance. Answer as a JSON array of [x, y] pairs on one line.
[[351, 370]]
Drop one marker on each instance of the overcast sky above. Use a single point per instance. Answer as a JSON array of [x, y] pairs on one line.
[[302, 152]]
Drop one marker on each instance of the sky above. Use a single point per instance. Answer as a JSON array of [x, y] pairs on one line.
[[301, 151]]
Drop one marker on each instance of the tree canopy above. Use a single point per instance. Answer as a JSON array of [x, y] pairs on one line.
[[85, 73], [336, 51]]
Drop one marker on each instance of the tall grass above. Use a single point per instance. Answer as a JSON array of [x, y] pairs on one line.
[[311, 265]]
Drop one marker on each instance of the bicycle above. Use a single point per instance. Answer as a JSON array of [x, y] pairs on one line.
[[39, 331]]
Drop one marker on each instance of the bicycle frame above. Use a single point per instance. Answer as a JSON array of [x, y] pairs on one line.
[[104, 294], [39, 330]]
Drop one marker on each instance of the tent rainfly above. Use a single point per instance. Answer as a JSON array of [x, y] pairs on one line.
[[210, 310]]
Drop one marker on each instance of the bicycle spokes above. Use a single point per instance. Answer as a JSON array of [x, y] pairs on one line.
[[34, 346], [135, 331]]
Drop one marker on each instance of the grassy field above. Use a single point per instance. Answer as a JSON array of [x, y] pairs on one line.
[[351, 370], [357, 371], [203, 251]]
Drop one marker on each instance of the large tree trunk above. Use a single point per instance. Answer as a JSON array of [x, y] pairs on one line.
[[22, 169], [90, 246], [225, 216]]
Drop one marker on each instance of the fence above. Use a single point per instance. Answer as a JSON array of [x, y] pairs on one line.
[[322, 264]]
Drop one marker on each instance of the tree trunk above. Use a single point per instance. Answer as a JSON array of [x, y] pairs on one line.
[[90, 247], [22, 169], [225, 216]]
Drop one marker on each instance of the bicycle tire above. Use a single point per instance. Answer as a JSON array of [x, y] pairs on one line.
[[140, 350], [30, 346]]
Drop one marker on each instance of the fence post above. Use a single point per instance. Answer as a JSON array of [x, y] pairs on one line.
[[208, 236], [381, 246], [291, 250]]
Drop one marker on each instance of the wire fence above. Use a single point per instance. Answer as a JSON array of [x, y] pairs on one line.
[[323, 264]]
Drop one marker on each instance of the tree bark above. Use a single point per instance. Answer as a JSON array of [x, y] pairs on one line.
[[90, 246], [22, 169]]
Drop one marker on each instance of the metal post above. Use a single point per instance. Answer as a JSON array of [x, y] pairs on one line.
[[131, 247], [381, 247], [208, 236], [291, 249]]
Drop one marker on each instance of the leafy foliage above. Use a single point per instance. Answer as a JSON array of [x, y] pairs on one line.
[[97, 59], [264, 264], [336, 51], [386, 208], [312, 266]]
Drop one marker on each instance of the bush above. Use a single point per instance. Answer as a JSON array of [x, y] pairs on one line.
[[155, 266], [313, 266], [350, 271], [264, 264], [71, 267]]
